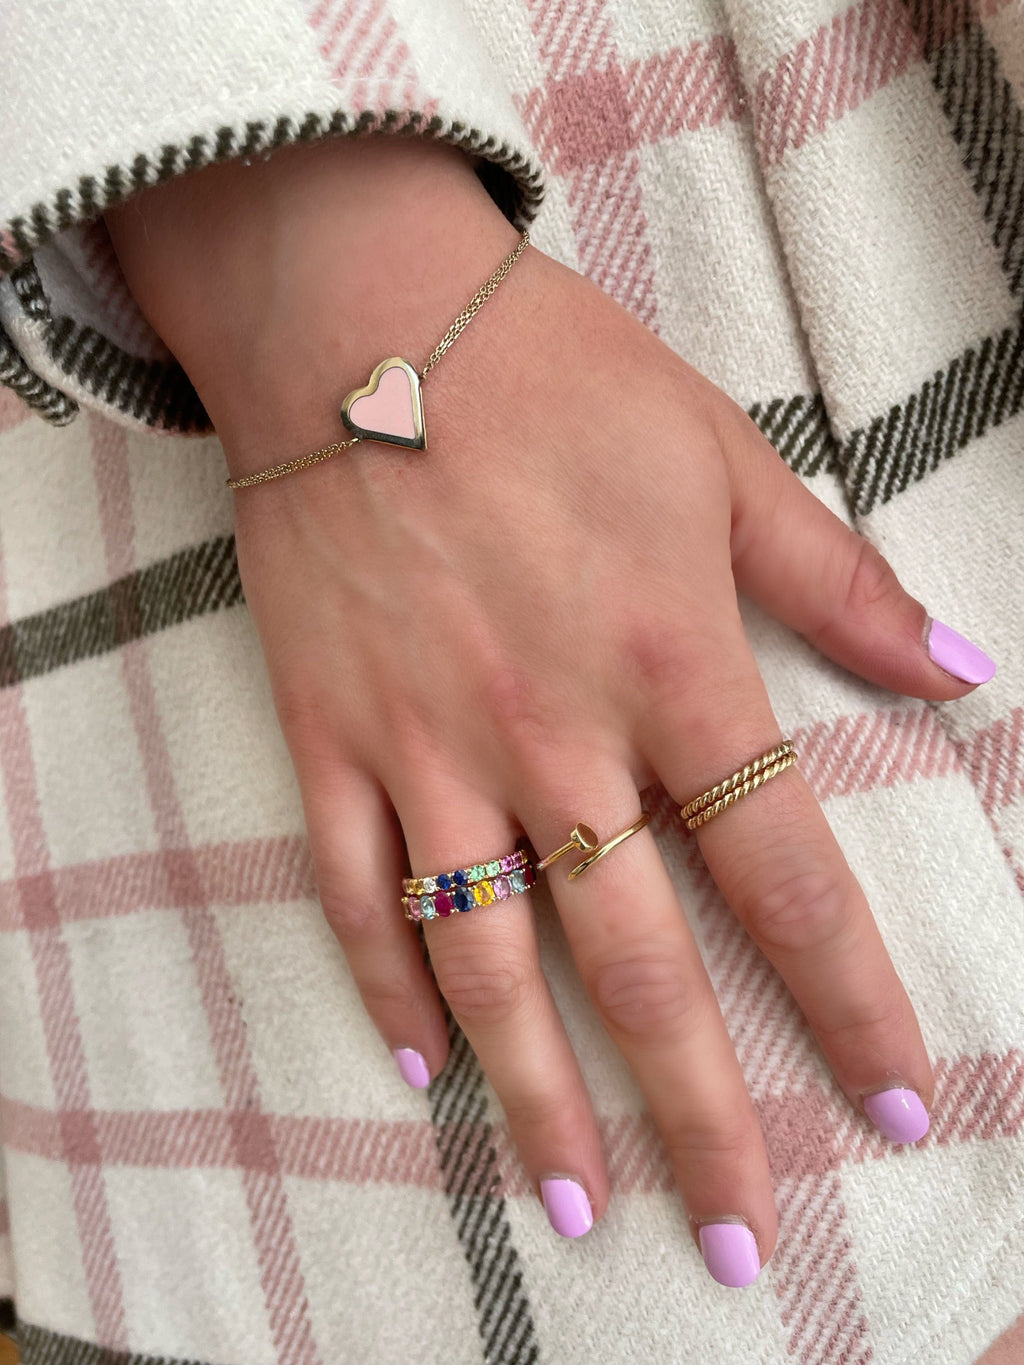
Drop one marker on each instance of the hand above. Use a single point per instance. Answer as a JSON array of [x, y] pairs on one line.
[[520, 628]]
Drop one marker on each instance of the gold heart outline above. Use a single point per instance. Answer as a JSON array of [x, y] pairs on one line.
[[418, 441]]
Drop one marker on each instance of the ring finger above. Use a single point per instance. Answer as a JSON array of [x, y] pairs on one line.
[[487, 966]]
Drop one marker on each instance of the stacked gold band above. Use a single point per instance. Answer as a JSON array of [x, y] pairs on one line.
[[742, 782]]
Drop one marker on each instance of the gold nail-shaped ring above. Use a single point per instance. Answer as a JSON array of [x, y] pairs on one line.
[[598, 853], [582, 838]]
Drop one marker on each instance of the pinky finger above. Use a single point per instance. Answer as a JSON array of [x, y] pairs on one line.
[[359, 861]]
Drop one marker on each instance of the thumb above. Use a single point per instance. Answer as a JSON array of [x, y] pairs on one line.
[[805, 566]]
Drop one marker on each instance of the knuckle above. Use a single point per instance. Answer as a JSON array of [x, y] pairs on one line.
[[871, 1032], [871, 585], [306, 727], [655, 659], [349, 912], [511, 702], [485, 993], [386, 997], [541, 1113], [646, 995], [726, 1143], [809, 908]]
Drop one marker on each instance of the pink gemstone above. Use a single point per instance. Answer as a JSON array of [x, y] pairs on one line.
[[443, 903], [413, 906], [508, 862], [502, 887]]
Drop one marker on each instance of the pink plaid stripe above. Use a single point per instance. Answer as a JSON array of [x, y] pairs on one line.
[[571, 35], [870, 751], [994, 757], [684, 90], [585, 96], [273, 1234], [591, 106], [41, 919], [876, 749], [842, 64], [879, 750], [816, 1276], [611, 233], [810, 1132], [831, 73], [251, 871], [579, 119], [360, 41]]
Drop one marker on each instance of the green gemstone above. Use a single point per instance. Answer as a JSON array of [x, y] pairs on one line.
[[476, 873], [492, 869]]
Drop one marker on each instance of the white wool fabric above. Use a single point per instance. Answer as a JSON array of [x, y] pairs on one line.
[[206, 1154]]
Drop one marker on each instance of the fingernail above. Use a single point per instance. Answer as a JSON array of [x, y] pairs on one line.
[[412, 1066], [898, 1114], [567, 1206], [958, 656], [730, 1254]]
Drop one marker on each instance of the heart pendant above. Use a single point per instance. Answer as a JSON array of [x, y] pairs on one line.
[[389, 408]]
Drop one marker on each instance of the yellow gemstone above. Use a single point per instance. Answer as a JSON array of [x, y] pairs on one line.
[[483, 893]]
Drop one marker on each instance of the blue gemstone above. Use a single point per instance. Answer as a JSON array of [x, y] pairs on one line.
[[463, 900], [459, 878], [444, 881]]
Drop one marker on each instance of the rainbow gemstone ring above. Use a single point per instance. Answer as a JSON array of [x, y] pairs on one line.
[[451, 893]]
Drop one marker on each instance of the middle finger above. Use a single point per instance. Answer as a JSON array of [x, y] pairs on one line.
[[642, 969]]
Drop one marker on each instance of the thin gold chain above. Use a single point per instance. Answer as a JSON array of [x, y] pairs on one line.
[[473, 306], [461, 322], [290, 466]]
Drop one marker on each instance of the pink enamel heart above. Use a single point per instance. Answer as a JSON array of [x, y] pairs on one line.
[[389, 408]]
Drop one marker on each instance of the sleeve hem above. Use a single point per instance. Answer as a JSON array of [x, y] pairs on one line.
[[57, 363]]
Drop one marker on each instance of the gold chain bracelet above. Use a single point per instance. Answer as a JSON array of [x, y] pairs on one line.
[[389, 407]]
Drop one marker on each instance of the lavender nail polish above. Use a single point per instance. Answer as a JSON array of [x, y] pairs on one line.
[[898, 1114], [567, 1206], [412, 1066], [730, 1254], [958, 656]]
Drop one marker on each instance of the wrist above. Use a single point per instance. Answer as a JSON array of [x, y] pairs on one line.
[[280, 285]]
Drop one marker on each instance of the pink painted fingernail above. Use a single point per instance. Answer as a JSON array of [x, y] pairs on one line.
[[958, 656], [567, 1205], [730, 1254], [898, 1114], [412, 1066]]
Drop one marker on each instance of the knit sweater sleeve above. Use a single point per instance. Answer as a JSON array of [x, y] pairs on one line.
[[102, 100]]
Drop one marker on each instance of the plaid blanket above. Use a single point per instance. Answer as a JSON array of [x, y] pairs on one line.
[[206, 1153]]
